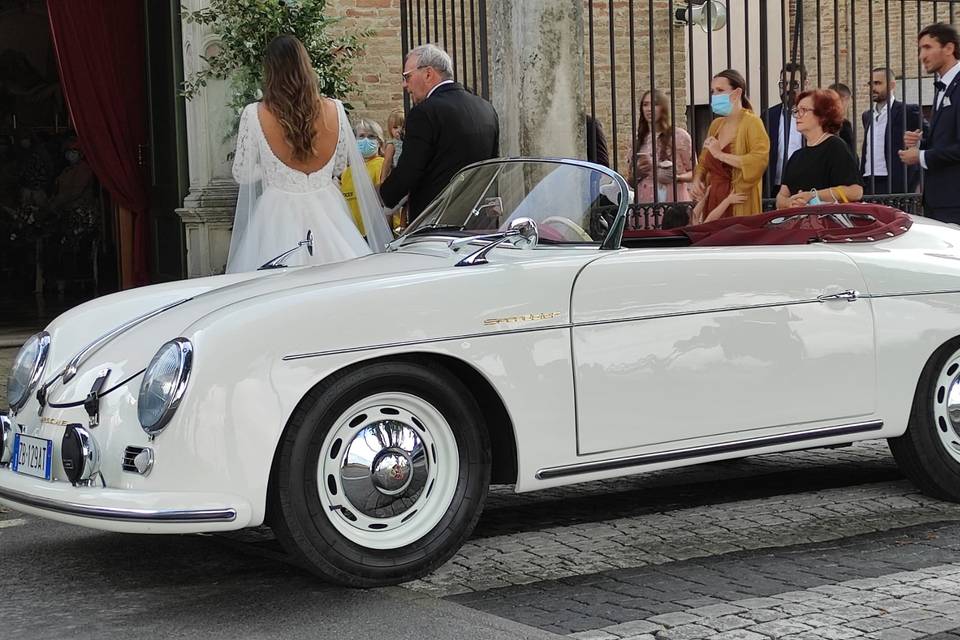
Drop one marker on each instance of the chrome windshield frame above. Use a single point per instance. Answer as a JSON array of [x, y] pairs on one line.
[[614, 234]]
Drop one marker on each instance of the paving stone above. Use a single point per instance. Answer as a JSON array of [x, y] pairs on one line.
[[933, 625], [877, 623], [739, 634], [779, 628], [896, 633], [685, 632], [673, 619], [715, 610], [633, 628], [594, 635]]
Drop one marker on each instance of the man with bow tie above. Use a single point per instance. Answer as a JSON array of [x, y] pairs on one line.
[[939, 152]]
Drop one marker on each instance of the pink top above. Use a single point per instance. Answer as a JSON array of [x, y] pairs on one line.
[[684, 163]]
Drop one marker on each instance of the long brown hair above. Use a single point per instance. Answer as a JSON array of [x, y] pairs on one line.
[[290, 92], [735, 78], [663, 126]]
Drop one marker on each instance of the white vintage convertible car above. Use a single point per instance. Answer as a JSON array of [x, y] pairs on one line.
[[522, 331]]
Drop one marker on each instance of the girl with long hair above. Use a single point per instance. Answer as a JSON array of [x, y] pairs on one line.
[[291, 147], [654, 121], [735, 154]]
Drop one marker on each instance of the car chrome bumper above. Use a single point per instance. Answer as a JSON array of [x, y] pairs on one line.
[[123, 510]]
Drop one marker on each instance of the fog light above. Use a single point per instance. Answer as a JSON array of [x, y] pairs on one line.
[[79, 454], [6, 439]]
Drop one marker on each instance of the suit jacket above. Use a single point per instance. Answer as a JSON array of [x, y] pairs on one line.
[[941, 187], [894, 142], [846, 134], [444, 133], [772, 119]]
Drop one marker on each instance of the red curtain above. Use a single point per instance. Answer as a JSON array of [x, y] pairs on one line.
[[100, 48]]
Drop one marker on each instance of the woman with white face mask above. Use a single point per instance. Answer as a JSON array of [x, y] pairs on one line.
[[370, 143], [728, 178]]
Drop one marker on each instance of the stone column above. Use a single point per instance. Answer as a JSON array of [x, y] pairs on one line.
[[537, 76], [207, 211]]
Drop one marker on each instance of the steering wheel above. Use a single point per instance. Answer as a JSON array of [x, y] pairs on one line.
[[567, 227]]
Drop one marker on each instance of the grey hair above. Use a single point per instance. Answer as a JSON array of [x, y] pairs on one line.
[[430, 55], [372, 126]]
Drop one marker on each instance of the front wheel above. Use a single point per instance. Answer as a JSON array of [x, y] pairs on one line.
[[929, 452], [382, 474]]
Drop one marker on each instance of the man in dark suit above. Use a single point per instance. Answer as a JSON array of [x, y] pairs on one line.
[[846, 129], [781, 126], [883, 129], [939, 152], [447, 129]]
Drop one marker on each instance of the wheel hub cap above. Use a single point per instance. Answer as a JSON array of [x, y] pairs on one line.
[[384, 469]]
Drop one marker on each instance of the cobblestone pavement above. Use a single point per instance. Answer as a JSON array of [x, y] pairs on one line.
[[812, 544], [817, 544]]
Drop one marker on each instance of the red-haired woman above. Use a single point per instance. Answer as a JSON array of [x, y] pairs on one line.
[[824, 170]]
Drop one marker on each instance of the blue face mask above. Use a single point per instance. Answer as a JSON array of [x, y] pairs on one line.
[[368, 146], [720, 104]]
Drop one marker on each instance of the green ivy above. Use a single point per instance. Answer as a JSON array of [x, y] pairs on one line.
[[246, 27]]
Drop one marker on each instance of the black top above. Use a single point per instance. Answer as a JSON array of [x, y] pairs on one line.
[[846, 134], [827, 164], [444, 133]]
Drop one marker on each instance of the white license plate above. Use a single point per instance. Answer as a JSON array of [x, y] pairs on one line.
[[31, 456]]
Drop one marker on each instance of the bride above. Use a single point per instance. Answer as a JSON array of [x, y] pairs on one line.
[[289, 148]]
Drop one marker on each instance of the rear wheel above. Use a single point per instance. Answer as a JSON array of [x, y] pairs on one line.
[[929, 451], [382, 474]]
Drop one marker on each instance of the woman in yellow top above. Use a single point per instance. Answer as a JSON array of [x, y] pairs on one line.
[[370, 140], [735, 153]]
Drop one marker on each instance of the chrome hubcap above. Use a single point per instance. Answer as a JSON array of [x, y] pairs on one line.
[[384, 468], [946, 406], [388, 471]]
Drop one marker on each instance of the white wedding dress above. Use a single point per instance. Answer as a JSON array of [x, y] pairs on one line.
[[278, 205]]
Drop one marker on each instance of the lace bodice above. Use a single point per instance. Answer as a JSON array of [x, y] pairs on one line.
[[254, 159]]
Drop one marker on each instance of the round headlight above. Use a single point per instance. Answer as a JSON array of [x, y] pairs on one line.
[[164, 382], [27, 369]]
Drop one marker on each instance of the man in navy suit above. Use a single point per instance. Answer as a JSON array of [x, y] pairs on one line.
[[883, 130], [781, 126], [939, 152]]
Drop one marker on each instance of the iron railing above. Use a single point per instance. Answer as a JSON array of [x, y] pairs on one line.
[[635, 46]]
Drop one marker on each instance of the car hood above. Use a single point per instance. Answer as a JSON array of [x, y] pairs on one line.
[[132, 325]]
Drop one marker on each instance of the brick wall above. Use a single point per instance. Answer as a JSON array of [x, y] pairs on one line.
[[377, 72]]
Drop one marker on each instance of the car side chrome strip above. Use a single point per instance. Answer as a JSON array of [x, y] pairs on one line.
[[707, 450], [226, 514]]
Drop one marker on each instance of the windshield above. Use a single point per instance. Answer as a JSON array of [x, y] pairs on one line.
[[571, 203]]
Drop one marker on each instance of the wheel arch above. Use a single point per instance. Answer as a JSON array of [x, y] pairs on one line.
[[500, 428]]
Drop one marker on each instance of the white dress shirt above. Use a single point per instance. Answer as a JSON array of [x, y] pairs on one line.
[[946, 79], [877, 142], [440, 84], [794, 143]]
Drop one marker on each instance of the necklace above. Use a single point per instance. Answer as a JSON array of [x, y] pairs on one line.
[[820, 139]]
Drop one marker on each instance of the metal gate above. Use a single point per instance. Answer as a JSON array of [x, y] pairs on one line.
[[636, 46]]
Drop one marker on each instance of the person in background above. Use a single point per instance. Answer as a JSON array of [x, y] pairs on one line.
[[722, 209], [370, 142], [938, 152], [824, 170], [782, 126], [393, 146], [654, 123], [883, 130], [447, 129], [597, 151], [846, 129], [735, 153]]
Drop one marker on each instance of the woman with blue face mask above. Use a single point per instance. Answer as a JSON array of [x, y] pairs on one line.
[[370, 142], [728, 178]]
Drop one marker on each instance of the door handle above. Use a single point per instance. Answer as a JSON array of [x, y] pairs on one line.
[[849, 295]]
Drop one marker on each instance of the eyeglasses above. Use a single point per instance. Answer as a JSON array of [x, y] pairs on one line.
[[793, 85], [406, 74], [800, 111]]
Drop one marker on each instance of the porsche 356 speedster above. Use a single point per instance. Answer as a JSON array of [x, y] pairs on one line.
[[522, 331]]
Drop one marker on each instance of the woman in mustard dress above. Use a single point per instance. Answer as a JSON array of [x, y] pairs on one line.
[[727, 180]]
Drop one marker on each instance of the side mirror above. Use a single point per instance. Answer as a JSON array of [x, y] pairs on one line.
[[523, 233], [308, 241]]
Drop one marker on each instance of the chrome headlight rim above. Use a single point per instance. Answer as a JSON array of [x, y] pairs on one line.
[[181, 379], [36, 372]]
